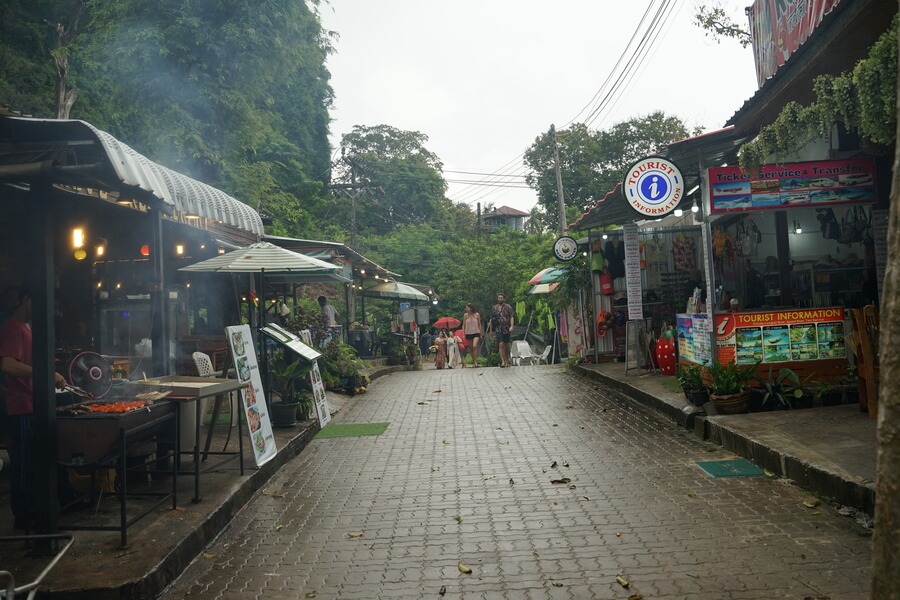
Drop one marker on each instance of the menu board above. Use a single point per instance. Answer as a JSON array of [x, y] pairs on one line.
[[820, 183], [323, 411], [781, 336], [253, 399]]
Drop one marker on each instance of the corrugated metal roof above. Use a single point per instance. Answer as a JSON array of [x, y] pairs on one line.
[[80, 140]]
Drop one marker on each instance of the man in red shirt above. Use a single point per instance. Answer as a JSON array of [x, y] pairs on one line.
[[15, 363]]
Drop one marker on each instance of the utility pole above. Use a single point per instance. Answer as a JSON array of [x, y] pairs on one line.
[[478, 218], [559, 187]]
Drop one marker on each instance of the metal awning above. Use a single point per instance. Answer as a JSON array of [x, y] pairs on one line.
[[713, 149], [77, 153], [330, 250]]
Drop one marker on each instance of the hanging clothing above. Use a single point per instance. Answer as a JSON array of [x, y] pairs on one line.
[[684, 250], [615, 257]]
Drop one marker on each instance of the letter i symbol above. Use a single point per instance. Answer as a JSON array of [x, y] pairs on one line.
[[654, 190]]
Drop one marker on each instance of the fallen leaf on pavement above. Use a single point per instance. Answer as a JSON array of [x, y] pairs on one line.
[[355, 534], [562, 480], [557, 584], [463, 568], [635, 597], [437, 391], [622, 581], [565, 464], [586, 498], [434, 469], [512, 481], [691, 495], [618, 534], [812, 503], [553, 465], [816, 512], [572, 487], [569, 407], [279, 527], [556, 424], [458, 519], [208, 555], [309, 595], [768, 473], [443, 590], [445, 442]]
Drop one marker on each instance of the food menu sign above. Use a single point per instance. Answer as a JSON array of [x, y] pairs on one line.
[[781, 336], [819, 183], [253, 399]]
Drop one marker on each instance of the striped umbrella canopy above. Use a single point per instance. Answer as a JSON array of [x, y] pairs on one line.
[[546, 275], [543, 288], [269, 259]]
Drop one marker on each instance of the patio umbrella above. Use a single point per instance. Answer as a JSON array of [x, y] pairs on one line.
[[269, 259], [543, 288], [546, 275], [394, 290], [447, 323]]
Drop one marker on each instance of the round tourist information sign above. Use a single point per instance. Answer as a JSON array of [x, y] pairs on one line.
[[653, 186]]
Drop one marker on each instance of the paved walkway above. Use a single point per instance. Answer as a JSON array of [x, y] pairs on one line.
[[464, 474]]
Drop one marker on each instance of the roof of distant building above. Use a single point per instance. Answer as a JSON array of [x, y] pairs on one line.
[[506, 211]]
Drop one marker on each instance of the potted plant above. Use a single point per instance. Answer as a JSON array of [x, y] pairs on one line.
[[286, 371], [728, 387], [850, 385], [304, 405], [781, 392], [691, 379]]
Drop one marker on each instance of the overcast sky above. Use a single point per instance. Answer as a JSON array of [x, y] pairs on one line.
[[483, 78]]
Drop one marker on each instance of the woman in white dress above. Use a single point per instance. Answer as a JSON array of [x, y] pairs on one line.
[[453, 356]]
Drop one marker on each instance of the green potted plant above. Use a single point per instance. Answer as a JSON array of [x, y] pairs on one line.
[[728, 386], [286, 371], [781, 392], [691, 379], [304, 405]]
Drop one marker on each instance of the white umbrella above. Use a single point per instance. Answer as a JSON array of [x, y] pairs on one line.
[[395, 290], [269, 259]]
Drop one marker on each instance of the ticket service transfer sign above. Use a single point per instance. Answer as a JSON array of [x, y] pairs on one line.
[[653, 186]]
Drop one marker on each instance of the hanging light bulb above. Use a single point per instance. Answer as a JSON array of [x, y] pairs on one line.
[[605, 237], [694, 207], [678, 212], [797, 228]]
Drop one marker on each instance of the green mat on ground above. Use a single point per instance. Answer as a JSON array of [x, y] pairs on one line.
[[730, 468], [335, 430]]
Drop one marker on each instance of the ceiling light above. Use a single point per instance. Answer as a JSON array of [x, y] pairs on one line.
[[678, 212]]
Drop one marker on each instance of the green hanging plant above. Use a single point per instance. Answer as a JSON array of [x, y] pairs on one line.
[[864, 100]]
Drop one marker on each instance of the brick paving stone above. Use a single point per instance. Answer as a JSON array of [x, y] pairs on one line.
[[466, 477]]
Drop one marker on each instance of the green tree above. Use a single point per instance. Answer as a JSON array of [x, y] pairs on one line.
[[401, 179], [715, 20], [593, 162]]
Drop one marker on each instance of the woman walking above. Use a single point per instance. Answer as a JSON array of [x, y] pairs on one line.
[[473, 330], [453, 358], [440, 357]]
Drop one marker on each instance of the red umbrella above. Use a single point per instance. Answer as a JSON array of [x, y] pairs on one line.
[[447, 323], [462, 336]]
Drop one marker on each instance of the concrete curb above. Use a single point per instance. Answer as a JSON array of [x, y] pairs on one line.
[[819, 480], [814, 478], [684, 417]]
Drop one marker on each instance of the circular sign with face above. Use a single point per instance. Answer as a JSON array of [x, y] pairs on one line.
[[653, 186], [565, 248]]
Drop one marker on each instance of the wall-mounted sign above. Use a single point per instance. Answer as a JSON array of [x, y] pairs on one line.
[[565, 248], [819, 183], [653, 186], [778, 28], [781, 336]]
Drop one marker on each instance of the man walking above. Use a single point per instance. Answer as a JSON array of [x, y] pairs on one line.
[[500, 325]]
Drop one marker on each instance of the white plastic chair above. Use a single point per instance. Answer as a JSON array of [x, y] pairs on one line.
[[205, 369], [521, 352], [545, 356]]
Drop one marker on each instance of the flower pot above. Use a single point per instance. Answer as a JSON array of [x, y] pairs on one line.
[[732, 404], [699, 397], [283, 414]]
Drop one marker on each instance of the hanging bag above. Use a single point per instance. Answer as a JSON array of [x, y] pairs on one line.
[[606, 283]]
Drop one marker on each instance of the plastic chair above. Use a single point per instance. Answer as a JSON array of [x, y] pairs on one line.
[[521, 352], [205, 369], [545, 356]]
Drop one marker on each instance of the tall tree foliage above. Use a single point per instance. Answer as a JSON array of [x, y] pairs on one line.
[[592, 162], [401, 179]]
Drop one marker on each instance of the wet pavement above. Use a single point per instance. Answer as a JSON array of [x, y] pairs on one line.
[[465, 474]]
